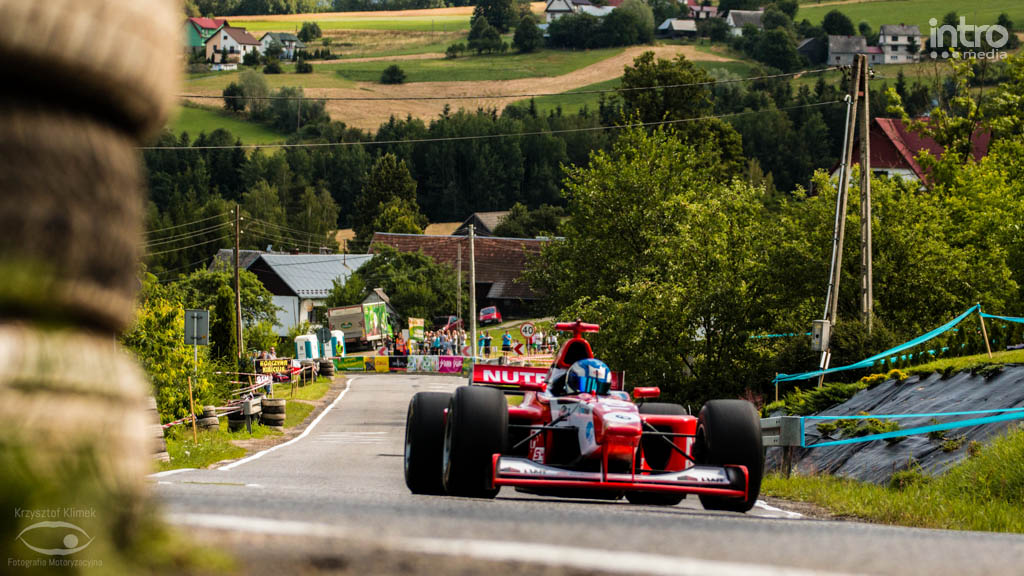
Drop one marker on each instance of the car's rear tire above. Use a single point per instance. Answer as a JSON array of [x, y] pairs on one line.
[[729, 432], [424, 442], [657, 453], [476, 429]]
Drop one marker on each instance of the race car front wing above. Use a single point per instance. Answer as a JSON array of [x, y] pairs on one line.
[[727, 481]]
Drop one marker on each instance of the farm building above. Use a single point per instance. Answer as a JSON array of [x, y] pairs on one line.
[[738, 19], [842, 50], [483, 222], [678, 28], [234, 42], [555, 9], [500, 263]]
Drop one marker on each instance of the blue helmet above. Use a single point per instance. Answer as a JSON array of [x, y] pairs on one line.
[[589, 375]]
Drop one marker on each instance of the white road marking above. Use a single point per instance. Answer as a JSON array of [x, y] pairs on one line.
[[258, 455], [766, 506], [169, 472], [537, 553]]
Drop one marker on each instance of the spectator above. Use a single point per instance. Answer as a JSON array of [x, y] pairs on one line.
[[506, 343], [487, 345], [553, 341]]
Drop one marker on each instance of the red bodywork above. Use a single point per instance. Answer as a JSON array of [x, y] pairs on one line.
[[490, 315], [606, 431]]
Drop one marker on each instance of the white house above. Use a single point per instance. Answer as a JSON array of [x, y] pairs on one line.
[[290, 43], [842, 50], [235, 41], [737, 19], [555, 9], [900, 44]]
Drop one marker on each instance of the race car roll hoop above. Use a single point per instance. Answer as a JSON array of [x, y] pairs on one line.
[[564, 439]]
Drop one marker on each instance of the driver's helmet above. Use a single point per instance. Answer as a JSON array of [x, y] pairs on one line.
[[589, 375]]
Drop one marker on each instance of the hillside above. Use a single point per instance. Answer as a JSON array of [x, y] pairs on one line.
[[879, 12]]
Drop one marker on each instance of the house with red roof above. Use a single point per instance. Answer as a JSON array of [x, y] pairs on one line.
[[894, 149], [230, 45], [199, 30]]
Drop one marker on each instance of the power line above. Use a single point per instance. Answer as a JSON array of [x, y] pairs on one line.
[[279, 226], [484, 136], [166, 274], [503, 96], [188, 247], [221, 215], [184, 235]]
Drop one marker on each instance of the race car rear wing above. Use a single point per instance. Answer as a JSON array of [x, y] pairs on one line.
[[521, 378]]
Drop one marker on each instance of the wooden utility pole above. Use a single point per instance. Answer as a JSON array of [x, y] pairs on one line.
[[458, 282], [472, 287], [984, 332], [866, 290], [238, 284], [844, 189]]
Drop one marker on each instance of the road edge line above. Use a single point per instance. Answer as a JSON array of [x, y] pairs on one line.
[[258, 455]]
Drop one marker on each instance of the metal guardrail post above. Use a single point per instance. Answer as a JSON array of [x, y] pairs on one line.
[[783, 432]]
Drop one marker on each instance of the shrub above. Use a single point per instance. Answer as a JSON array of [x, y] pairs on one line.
[[897, 375], [827, 428], [527, 37], [912, 476], [303, 67], [454, 50], [310, 31], [392, 75], [233, 100], [273, 67], [954, 443], [251, 59]]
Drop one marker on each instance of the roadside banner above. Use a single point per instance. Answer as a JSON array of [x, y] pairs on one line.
[[375, 318], [428, 364], [381, 363], [495, 375], [416, 329], [398, 363], [449, 364], [352, 364], [273, 366]]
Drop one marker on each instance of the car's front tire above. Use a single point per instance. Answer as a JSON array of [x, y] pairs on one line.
[[424, 442], [729, 432], [477, 428]]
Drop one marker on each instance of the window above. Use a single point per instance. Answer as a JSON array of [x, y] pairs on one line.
[[893, 39]]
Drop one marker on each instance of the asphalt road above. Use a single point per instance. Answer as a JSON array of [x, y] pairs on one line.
[[340, 488]]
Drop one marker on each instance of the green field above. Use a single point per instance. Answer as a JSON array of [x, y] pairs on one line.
[[440, 23], [917, 12], [198, 120], [543, 63], [323, 76], [573, 102]]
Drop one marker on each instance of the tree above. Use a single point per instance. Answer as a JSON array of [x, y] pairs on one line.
[[273, 67], [223, 327], [233, 100], [303, 67], [350, 292], [521, 222], [199, 290], [401, 217], [389, 178], [642, 19], [501, 14], [416, 285], [726, 5], [687, 99], [836, 23], [527, 37], [309, 31], [483, 37], [714, 29], [788, 7], [392, 75], [773, 19], [262, 202], [777, 48], [255, 90], [317, 215], [251, 59], [275, 50]]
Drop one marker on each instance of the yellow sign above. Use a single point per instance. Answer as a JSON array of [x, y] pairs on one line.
[[380, 363]]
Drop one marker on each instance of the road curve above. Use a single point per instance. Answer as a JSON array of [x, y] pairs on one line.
[[342, 482]]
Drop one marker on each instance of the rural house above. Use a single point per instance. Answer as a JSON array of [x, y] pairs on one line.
[[301, 282], [555, 9], [900, 44], [894, 150], [235, 43], [500, 264], [290, 43], [199, 30], [699, 11], [842, 50], [738, 19]]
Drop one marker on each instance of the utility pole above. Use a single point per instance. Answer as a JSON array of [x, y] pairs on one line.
[[472, 288], [458, 282], [238, 284], [866, 291]]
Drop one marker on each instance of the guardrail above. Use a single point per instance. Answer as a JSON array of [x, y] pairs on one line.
[[784, 432]]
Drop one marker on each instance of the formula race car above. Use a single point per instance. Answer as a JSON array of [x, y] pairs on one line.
[[576, 433]]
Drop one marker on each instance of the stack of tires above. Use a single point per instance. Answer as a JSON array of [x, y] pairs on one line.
[[209, 420], [236, 421], [327, 368], [272, 412]]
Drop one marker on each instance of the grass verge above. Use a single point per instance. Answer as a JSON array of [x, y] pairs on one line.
[[984, 492], [211, 447], [198, 120], [296, 412]]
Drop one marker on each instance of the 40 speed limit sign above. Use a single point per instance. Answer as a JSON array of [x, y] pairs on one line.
[[527, 329]]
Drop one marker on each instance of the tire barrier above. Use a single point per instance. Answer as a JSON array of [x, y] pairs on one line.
[[211, 423], [236, 421], [209, 411], [273, 412], [327, 368]]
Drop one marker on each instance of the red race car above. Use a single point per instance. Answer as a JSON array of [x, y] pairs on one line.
[[577, 434]]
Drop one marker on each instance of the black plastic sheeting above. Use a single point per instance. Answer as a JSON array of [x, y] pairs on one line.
[[877, 460]]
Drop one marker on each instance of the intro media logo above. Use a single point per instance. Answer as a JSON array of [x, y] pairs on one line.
[[967, 40]]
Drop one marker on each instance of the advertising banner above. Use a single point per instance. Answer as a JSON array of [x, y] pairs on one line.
[[381, 363], [273, 366], [416, 329], [398, 363], [449, 364], [513, 376], [354, 364], [375, 319]]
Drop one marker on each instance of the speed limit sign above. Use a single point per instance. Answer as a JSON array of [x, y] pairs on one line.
[[527, 329]]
